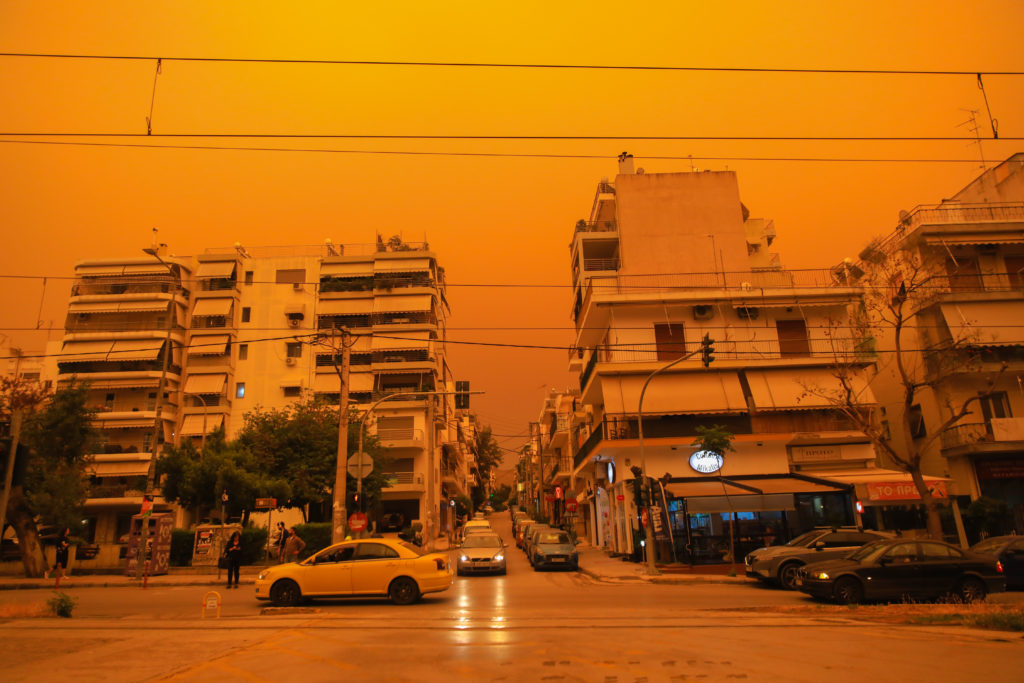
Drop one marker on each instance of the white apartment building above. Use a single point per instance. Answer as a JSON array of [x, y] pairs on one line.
[[663, 260], [218, 334]]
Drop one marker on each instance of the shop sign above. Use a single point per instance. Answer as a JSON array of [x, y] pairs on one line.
[[620, 497], [903, 490], [570, 504], [706, 462], [1000, 468]]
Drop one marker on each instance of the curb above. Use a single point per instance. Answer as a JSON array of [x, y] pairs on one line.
[[665, 579], [109, 584]]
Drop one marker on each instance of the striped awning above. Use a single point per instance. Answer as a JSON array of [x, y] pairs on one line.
[[78, 307], [136, 349], [211, 269], [402, 341], [206, 384], [210, 345], [193, 425], [208, 307]]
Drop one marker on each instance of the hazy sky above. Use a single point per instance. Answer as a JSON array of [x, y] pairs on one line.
[[493, 220]]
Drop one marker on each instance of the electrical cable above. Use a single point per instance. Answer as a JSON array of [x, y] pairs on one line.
[[564, 138]]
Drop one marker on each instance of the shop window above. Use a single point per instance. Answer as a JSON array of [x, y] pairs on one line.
[[793, 341], [669, 341], [917, 427]]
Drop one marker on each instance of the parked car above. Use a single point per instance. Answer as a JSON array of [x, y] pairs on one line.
[[530, 535], [554, 548], [481, 553], [378, 566], [521, 528], [476, 525], [780, 563], [899, 568], [1010, 551]]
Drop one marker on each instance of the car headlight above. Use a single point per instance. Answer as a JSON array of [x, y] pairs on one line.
[[464, 558], [821, 576], [263, 574], [499, 557]]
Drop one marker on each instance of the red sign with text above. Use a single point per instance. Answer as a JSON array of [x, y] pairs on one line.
[[357, 521], [903, 490]]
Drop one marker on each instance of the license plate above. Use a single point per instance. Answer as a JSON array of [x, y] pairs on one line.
[[799, 582], [558, 559]]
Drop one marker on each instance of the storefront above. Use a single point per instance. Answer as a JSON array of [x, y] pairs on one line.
[[1002, 478]]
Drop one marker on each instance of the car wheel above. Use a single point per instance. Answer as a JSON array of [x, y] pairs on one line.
[[848, 591], [285, 593], [403, 591], [787, 575], [971, 590]]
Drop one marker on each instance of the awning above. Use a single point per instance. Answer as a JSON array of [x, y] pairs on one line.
[[877, 485], [295, 310], [212, 345], [206, 307], [690, 487], [402, 304], [192, 425], [973, 238], [120, 269], [141, 306], [405, 265], [136, 349], [328, 383], [205, 384], [84, 351], [677, 394], [130, 468], [114, 422], [145, 269], [80, 307], [791, 389], [346, 270], [124, 383], [345, 307], [748, 503], [209, 269], [985, 323], [402, 341]]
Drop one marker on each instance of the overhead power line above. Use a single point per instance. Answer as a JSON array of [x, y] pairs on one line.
[[500, 136], [519, 65]]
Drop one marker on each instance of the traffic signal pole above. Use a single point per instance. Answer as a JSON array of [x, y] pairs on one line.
[[338, 512]]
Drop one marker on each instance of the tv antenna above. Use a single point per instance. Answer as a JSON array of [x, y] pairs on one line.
[[972, 126]]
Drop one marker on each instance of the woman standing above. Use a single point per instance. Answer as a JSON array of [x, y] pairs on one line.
[[233, 552]]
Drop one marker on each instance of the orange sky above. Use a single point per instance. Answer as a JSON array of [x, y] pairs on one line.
[[491, 220]]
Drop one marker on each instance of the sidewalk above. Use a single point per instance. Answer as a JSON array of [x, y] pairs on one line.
[[597, 564]]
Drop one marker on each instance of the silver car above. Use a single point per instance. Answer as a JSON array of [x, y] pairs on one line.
[[481, 553]]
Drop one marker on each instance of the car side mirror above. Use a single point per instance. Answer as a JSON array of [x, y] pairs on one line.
[[819, 546], [882, 561]]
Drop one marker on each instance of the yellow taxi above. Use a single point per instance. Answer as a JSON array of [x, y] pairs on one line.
[[366, 567]]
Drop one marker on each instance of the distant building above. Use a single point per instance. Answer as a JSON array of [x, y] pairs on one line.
[[174, 348], [663, 260]]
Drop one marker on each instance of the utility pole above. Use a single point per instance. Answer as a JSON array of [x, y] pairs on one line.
[[338, 511]]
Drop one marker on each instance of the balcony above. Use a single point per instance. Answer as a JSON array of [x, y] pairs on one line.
[[948, 214], [596, 226], [400, 438], [592, 264], [996, 435], [404, 482]]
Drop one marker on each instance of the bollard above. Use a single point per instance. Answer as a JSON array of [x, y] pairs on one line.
[[211, 600]]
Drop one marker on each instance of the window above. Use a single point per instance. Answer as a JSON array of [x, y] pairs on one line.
[[151, 401], [793, 342], [243, 351], [669, 341], [246, 314], [996, 405], [937, 551], [240, 390], [917, 428], [108, 403], [293, 349], [1015, 270], [293, 392], [374, 551], [903, 553], [30, 376], [248, 277], [964, 275]]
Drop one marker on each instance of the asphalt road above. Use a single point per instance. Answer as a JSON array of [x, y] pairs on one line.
[[526, 626]]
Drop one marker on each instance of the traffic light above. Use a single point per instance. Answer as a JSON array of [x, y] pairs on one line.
[[707, 349], [353, 501]]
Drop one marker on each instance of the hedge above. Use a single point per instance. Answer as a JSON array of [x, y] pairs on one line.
[[254, 546], [317, 536]]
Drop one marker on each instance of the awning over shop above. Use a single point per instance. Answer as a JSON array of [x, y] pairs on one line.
[[404, 265], [207, 307], [985, 323], [402, 304], [328, 383], [192, 425], [211, 269], [748, 503], [747, 493], [345, 307], [362, 269], [689, 393], [210, 345], [136, 349], [401, 341], [877, 485], [791, 389], [206, 384]]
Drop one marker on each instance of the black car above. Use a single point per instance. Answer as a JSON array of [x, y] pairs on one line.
[[903, 568], [781, 563], [1010, 551]]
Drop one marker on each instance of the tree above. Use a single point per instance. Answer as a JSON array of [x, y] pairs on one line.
[[902, 290], [49, 478], [197, 480], [488, 457]]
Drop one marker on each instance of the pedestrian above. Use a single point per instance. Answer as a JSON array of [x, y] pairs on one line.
[[61, 562], [293, 546], [233, 552], [282, 536]]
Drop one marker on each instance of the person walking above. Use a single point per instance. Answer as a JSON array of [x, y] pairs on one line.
[[233, 552], [282, 536], [61, 562], [293, 546]]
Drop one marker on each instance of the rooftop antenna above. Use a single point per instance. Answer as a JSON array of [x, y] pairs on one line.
[[331, 251], [972, 126], [155, 231], [241, 250]]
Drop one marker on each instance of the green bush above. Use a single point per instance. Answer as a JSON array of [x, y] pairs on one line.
[[317, 536], [181, 547], [254, 545], [61, 604]]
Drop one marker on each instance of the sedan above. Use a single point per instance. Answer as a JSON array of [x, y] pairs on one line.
[[483, 553], [369, 567], [894, 569], [554, 548], [1010, 551], [780, 563]]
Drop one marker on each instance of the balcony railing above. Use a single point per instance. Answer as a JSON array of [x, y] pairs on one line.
[[846, 348], [591, 264], [965, 434], [388, 435], [403, 478], [752, 281], [596, 226], [588, 370], [951, 214]]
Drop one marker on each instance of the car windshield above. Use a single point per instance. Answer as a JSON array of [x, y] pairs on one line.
[[804, 539], [482, 541], [553, 537], [415, 548], [868, 551], [988, 545]]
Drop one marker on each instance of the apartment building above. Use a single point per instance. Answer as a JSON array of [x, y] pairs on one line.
[[663, 260], [176, 347], [965, 336]]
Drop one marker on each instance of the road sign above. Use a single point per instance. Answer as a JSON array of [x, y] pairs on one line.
[[570, 504], [360, 465], [357, 521], [266, 503]]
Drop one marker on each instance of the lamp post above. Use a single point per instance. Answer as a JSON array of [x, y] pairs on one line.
[[649, 529]]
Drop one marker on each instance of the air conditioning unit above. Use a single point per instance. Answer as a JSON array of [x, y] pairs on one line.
[[297, 286], [289, 361], [748, 312], [294, 322], [703, 312]]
